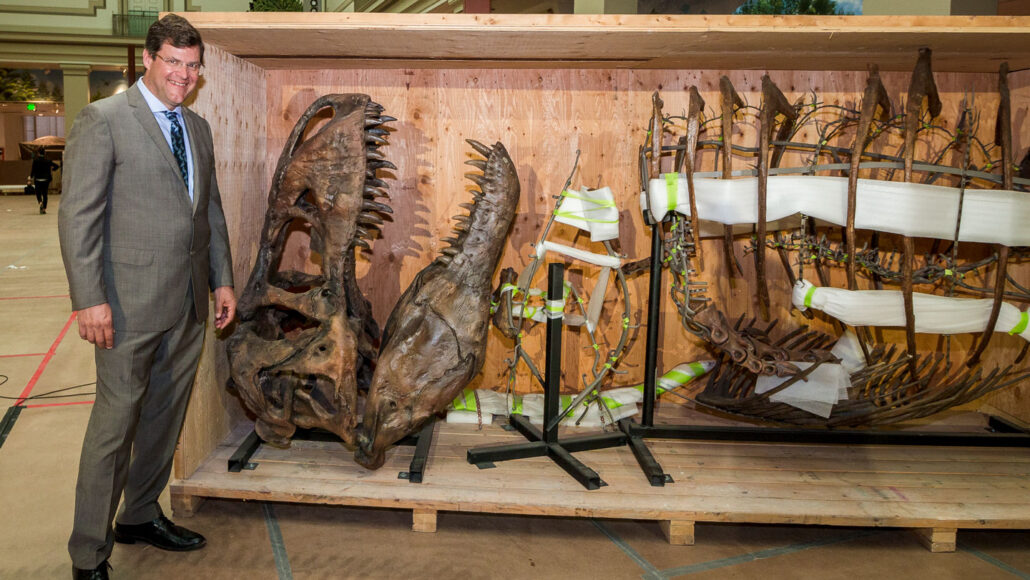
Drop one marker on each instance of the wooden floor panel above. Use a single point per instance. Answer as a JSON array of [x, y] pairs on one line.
[[936, 488]]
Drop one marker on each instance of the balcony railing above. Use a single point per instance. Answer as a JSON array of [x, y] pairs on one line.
[[133, 23]]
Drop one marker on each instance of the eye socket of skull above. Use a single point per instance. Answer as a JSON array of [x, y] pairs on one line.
[[280, 323], [298, 264]]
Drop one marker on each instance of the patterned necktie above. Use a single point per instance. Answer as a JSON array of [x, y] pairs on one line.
[[178, 144]]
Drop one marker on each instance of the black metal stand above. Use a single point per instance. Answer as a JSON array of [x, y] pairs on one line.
[[546, 442], [422, 440], [1001, 433]]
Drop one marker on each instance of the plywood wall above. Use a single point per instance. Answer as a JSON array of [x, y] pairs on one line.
[[1015, 403], [543, 117], [232, 99]]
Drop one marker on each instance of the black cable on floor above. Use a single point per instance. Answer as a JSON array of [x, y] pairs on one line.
[[48, 394]]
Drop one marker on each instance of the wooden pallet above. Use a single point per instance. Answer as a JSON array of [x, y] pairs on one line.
[[933, 490]]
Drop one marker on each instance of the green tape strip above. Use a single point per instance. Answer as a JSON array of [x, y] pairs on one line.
[[698, 368], [677, 376], [808, 297], [598, 202], [1019, 328], [570, 215], [671, 191]]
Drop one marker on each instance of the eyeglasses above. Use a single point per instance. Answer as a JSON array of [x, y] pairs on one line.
[[193, 67]]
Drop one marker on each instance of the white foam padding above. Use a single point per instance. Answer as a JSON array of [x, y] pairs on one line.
[[913, 209], [591, 210], [603, 260], [825, 386], [933, 314]]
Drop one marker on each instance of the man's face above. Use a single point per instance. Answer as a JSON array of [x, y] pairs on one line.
[[167, 75]]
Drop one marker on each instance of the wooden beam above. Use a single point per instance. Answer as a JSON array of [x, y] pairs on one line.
[[678, 532], [349, 40], [937, 540], [423, 520]]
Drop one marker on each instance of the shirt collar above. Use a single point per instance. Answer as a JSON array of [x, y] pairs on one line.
[[156, 106]]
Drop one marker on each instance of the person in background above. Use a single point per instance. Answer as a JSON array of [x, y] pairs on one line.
[[144, 241], [42, 174]]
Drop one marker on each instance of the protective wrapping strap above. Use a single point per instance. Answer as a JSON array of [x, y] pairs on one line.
[[911, 209], [621, 402], [597, 298], [602, 260], [934, 314]]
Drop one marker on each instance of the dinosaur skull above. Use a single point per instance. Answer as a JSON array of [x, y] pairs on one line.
[[307, 338]]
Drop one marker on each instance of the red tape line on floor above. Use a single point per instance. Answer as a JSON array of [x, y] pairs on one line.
[[46, 360], [58, 404], [29, 354]]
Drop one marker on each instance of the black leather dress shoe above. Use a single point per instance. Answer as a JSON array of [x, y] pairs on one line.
[[160, 533], [98, 573]]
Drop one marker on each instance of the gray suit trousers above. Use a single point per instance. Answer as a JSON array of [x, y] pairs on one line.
[[146, 376]]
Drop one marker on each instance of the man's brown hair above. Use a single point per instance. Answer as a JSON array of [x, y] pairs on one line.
[[174, 30]]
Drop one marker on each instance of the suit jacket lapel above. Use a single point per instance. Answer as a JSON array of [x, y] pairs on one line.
[[194, 135], [146, 118]]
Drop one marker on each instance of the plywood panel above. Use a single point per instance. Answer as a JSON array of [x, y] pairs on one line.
[[757, 483], [543, 116], [232, 99], [714, 42], [1015, 402]]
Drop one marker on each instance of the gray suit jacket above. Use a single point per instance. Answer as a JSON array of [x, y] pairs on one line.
[[129, 235]]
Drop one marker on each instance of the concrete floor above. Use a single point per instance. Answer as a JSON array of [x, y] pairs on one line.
[[40, 352]]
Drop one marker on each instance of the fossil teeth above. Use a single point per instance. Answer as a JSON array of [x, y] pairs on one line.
[[463, 218], [461, 228], [477, 163], [362, 243], [374, 155], [482, 149], [376, 206], [478, 195], [369, 219], [376, 182], [467, 205], [374, 106], [386, 119], [449, 252], [443, 259], [377, 131], [374, 139], [382, 165], [375, 192], [363, 232], [451, 241], [479, 180], [373, 121]]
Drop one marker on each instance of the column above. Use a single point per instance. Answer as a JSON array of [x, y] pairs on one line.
[[605, 7], [76, 91]]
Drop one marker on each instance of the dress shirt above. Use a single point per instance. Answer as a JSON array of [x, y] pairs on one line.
[[158, 108]]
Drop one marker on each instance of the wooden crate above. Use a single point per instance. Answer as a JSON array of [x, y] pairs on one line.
[[933, 490], [545, 86]]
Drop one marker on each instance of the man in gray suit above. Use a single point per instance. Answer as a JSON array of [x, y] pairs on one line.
[[143, 238]]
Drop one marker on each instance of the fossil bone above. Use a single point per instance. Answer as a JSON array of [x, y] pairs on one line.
[[435, 340], [306, 341]]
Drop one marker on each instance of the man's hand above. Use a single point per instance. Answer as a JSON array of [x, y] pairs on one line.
[[95, 325], [225, 306]]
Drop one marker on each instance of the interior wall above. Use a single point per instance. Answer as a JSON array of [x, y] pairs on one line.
[[543, 117]]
